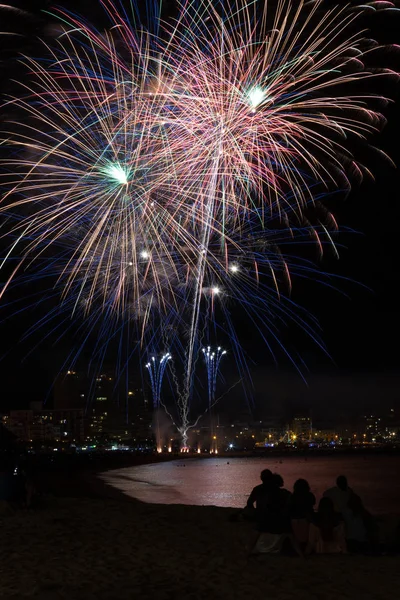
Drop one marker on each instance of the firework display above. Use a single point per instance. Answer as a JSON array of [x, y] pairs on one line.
[[212, 359], [165, 167], [156, 368]]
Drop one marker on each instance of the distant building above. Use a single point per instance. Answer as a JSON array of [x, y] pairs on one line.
[[370, 429], [325, 435], [19, 422], [70, 390], [302, 428], [273, 435], [273, 431], [141, 418], [41, 426], [345, 432], [374, 429], [126, 418], [113, 409]]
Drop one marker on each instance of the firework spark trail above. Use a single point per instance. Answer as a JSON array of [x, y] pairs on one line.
[[283, 121], [212, 360], [156, 368], [203, 108], [168, 156], [199, 279]]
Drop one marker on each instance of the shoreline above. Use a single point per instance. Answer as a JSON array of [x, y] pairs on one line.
[[68, 474], [88, 481]]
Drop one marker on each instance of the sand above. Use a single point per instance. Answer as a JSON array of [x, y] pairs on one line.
[[116, 548]]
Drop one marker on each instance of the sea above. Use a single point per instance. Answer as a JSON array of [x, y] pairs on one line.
[[228, 481]]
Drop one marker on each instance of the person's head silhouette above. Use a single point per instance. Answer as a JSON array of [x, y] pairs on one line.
[[301, 486], [277, 480], [341, 482], [325, 507], [265, 475], [355, 504]]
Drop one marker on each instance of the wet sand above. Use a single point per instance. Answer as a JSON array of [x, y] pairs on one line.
[[110, 547]]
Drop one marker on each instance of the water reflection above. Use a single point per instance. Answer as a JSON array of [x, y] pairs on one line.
[[223, 482]]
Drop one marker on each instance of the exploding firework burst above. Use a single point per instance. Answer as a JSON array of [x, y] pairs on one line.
[[160, 157]]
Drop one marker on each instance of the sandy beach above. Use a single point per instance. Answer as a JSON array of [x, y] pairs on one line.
[[102, 545]]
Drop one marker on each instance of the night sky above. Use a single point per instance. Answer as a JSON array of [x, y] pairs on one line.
[[360, 321]]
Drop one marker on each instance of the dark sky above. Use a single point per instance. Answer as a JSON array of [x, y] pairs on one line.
[[360, 323]]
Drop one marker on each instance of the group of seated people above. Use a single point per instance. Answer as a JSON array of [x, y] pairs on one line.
[[340, 524]]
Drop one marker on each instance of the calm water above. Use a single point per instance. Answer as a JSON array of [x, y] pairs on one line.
[[228, 482]]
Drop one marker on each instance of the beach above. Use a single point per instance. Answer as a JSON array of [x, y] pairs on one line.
[[105, 546]]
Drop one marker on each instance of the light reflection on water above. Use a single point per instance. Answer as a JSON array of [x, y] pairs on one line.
[[228, 481]]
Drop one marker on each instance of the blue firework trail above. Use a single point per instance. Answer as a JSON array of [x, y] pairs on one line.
[[156, 368], [212, 358]]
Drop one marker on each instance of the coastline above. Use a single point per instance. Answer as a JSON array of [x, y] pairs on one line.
[[97, 543]]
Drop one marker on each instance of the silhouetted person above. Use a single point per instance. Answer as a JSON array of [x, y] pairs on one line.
[[273, 510], [273, 520], [258, 493], [340, 494], [361, 534], [302, 501], [326, 517], [326, 530], [301, 509]]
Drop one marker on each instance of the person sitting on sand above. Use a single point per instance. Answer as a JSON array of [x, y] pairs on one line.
[[326, 534], [258, 493], [255, 500], [301, 510], [339, 494], [302, 501], [273, 521], [359, 526], [273, 508]]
